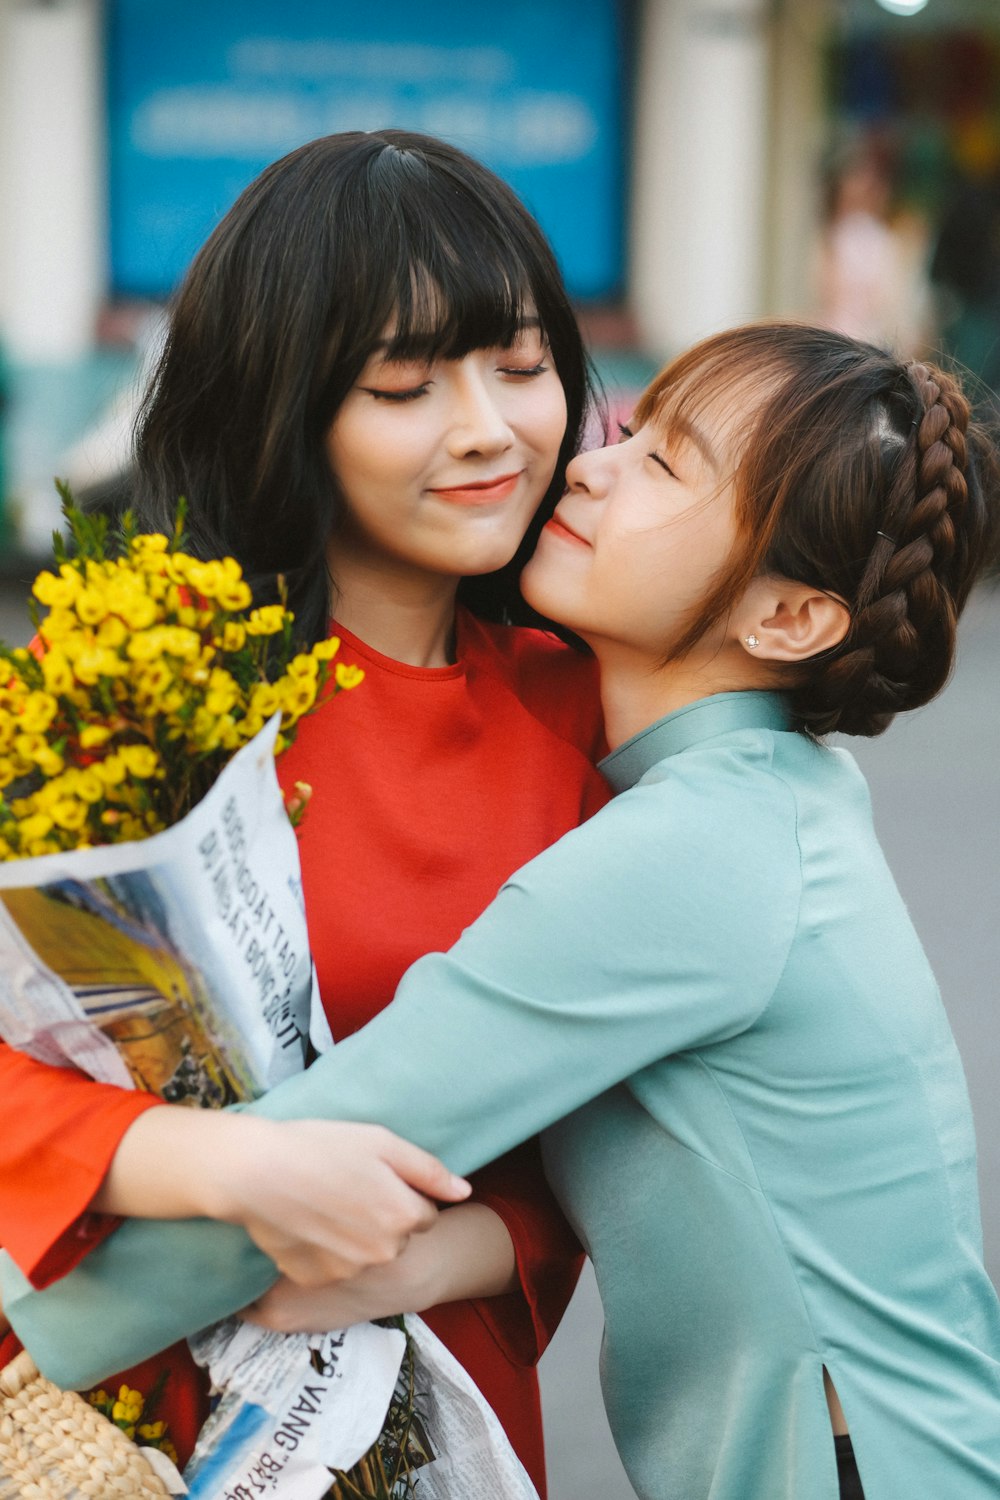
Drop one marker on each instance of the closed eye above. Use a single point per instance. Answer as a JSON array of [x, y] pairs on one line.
[[624, 432], [662, 463], [397, 396], [527, 372]]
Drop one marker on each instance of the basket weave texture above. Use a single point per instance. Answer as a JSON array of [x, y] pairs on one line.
[[55, 1446]]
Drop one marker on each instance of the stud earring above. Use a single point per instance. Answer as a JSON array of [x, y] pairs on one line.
[[752, 642]]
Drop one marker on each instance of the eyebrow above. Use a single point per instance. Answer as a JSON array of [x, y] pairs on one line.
[[381, 345], [681, 427]]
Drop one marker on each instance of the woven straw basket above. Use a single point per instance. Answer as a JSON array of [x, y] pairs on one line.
[[55, 1446]]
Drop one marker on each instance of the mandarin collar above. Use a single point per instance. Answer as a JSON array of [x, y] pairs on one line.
[[691, 725]]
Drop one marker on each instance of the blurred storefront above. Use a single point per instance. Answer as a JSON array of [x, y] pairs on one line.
[[694, 162]]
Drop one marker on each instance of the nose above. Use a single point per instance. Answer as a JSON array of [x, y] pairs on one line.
[[591, 473], [480, 425]]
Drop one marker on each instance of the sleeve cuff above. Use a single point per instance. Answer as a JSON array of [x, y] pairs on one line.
[[47, 1226], [547, 1253]]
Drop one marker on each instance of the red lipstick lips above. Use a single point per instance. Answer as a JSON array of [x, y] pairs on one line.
[[557, 526], [480, 491]]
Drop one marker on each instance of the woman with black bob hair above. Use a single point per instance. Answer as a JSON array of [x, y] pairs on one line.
[[346, 238], [370, 388]]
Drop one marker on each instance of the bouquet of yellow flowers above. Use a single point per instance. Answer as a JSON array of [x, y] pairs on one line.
[[152, 933], [149, 671], [151, 924]]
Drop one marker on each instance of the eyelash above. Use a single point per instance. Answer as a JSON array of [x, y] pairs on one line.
[[628, 433], [398, 397]]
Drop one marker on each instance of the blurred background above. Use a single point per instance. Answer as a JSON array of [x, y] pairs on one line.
[[696, 163]]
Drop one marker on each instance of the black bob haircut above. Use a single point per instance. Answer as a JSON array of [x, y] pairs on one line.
[[280, 311]]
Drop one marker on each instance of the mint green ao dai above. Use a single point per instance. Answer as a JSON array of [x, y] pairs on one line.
[[764, 1141]]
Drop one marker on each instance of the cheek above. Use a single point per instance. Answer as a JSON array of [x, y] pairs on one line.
[[370, 455], [542, 417]]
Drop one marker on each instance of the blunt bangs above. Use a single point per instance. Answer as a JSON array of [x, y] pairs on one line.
[[451, 276]]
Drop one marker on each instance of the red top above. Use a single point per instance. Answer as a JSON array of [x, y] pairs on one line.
[[430, 787]]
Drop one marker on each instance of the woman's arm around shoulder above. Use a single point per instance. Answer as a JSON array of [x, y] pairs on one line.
[[632, 938]]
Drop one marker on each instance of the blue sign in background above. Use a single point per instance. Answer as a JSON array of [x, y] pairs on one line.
[[203, 95]]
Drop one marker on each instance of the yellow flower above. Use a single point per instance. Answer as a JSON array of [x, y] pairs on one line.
[[207, 729], [69, 814], [30, 745], [94, 735], [37, 847], [91, 605], [58, 624], [36, 826], [267, 620], [89, 786], [179, 641], [233, 636], [152, 1431], [138, 611], [303, 666], [140, 761], [127, 1410], [298, 696], [347, 675], [39, 711], [326, 650], [145, 646], [223, 692], [235, 595], [112, 632], [207, 578], [56, 592], [250, 725], [110, 772], [265, 698], [150, 542], [56, 671], [155, 680]]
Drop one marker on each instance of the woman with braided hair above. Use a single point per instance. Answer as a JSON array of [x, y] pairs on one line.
[[710, 995]]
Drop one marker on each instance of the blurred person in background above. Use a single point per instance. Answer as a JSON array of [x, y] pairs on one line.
[[869, 271]]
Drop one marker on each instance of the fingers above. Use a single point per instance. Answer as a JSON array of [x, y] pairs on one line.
[[423, 1171]]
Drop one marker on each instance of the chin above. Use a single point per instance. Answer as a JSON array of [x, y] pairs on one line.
[[541, 590]]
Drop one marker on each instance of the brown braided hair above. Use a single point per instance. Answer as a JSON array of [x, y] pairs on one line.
[[859, 476]]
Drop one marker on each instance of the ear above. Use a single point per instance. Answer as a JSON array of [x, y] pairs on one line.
[[778, 620]]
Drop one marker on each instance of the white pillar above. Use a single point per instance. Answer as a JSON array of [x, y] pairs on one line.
[[800, 138], [52, 271], [700, 168]]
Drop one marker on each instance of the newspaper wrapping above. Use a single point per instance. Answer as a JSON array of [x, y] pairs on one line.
[[180, 965]]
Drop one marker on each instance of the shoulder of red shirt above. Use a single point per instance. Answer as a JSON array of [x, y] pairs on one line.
[[557, 683]]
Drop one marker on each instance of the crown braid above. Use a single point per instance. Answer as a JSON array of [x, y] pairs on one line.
[[898, 651]]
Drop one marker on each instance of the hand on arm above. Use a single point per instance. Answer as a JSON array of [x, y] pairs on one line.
[[467, 1252], [323, 1199]]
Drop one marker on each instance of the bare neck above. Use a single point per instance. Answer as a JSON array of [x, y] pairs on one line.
[[409, 618], [636, 691]]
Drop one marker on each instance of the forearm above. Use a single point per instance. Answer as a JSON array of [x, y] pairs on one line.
[[470, 1254], [171, 1164], [467, 1253]]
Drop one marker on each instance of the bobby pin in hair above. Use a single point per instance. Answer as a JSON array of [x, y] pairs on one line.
[[887, 537]]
